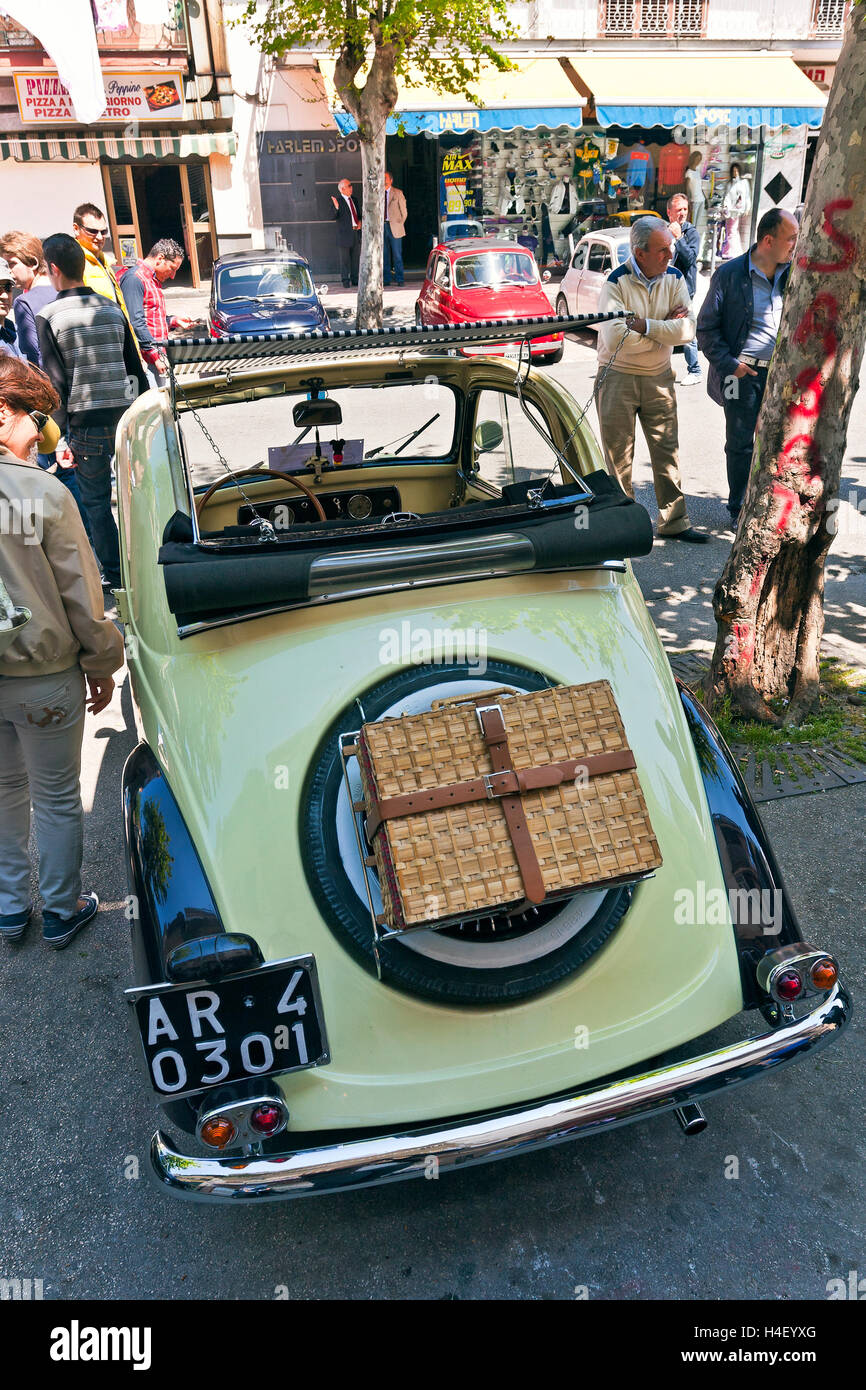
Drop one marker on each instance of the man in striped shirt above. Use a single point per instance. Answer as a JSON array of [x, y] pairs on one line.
[[90, 354]]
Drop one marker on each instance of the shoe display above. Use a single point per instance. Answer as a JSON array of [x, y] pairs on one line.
[[13, 924], [59, 931]]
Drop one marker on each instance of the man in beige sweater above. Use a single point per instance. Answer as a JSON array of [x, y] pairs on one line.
[[635, 379]]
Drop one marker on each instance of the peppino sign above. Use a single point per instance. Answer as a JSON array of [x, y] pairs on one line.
[[42, 97]]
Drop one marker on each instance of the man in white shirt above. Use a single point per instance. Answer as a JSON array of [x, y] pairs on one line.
[[635, 379]]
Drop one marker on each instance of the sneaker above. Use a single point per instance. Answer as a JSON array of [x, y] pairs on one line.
[[13, 924], [59, 931], [691, 379]]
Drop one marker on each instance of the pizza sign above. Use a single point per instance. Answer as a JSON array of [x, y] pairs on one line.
[[129, 96]]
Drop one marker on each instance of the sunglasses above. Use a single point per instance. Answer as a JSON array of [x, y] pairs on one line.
[[95, 231], [39, 420]]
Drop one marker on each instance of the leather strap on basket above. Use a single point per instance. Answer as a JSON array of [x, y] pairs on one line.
[[496, 738], [497, 784]]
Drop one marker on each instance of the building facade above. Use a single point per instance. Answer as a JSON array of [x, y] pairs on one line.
[[160, 161]]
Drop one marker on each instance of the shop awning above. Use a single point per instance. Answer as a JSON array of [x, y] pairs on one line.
[[692, 89], [540, 92], [157, 144]]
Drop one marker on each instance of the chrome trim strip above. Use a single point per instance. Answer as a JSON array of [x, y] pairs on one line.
[[420, 562], [231, 619], [414, 1153]]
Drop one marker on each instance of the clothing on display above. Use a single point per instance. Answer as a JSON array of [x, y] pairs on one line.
[[672, 167]]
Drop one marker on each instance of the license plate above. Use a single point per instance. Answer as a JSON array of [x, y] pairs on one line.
[[512, 350], [262, 1022]]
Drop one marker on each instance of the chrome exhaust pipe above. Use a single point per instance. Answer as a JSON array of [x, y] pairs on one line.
[[691, 1118]]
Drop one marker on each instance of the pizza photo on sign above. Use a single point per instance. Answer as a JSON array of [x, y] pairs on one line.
[[162, 95]]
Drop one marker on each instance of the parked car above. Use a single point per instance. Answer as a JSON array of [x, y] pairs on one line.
[[486, 278], [262, 291], [469, 540], [595, 256]]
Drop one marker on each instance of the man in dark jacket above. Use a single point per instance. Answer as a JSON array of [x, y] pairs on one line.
[[90, 354], [347, 215], [687, 244], [737, 330]]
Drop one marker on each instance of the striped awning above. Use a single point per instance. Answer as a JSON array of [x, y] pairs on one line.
[[148, 144]]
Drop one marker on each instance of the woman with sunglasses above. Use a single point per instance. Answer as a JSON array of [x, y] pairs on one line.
[[47, 567]]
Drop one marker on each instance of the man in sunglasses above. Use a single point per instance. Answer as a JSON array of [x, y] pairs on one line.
[[90, 230]]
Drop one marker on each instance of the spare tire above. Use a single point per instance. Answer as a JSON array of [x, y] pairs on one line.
[[482, 961]]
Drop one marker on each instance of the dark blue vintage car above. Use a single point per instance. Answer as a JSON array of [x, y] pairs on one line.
[[260, 291]]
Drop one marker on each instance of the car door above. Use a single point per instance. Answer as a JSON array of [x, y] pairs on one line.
[[598, 266], [571, 279], [440, 290]]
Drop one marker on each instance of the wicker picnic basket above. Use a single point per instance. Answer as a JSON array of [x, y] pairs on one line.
[[499, 801]]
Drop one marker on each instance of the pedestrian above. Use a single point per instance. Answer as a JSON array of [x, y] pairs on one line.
[[695, 190], [142, 289], [46, 566], [90, 354], [737, 330], [635, 379], [26, 261], [737, 207], [687, 244], [347, 215], [395, 230], [90, 230]]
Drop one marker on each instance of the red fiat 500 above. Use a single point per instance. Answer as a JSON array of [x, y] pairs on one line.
[[485, 278]]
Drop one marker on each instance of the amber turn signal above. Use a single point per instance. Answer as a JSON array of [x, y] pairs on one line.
[[218, 1132], [824, 973]]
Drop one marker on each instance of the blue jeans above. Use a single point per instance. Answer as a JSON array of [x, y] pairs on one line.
[[93, 449], [393, 252], [741, 417], [690, 352], [69, 479]]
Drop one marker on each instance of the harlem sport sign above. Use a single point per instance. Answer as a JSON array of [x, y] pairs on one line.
[[129, 96]]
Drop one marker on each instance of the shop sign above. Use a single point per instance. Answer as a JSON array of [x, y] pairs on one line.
[[821, 74], [129, 96], [311, 144], [459, 120]]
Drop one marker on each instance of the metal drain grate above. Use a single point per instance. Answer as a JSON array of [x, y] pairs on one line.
[[791, 769]]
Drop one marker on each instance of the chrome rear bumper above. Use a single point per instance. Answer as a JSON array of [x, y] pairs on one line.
[[429, 1152]]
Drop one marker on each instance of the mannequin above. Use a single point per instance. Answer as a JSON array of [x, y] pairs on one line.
[[564, 198]]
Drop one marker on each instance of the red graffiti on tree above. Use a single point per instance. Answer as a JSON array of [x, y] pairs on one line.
[[846, 243], [786, 498], [819, 321], [800, 454]]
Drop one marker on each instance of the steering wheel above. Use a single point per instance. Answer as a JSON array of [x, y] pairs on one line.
[[202, 501]]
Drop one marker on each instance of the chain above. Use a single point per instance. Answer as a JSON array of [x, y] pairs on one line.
[[583, 410], [261, 523]]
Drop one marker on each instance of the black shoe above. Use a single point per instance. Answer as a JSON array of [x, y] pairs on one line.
[[690, 534], [59, 931], [13, 924]]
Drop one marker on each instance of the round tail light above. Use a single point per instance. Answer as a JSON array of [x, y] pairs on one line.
[[266, 1119], [788, 986], [824, 973], [218, 1132]]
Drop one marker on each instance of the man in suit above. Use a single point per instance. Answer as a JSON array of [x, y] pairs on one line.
[[687, 244], [737, 330], [395, 230], [347, 215]]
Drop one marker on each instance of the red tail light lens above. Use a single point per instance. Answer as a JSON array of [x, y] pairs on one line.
[[266, 1119], [789, 985]]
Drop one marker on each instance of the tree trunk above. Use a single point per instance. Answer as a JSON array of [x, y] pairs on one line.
[[769, 601], [371, 105]]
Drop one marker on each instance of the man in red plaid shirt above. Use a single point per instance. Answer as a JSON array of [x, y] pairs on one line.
[[145, 301]]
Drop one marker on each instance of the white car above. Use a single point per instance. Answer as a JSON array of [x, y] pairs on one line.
[[595, 256]]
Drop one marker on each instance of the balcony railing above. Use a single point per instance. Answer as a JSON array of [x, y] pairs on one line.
[[653, 18], [114, 31], [828, 18]]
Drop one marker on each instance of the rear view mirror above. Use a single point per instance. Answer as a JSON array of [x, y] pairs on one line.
[[488, 435], [546, 276], [323, 289], [318, 412]]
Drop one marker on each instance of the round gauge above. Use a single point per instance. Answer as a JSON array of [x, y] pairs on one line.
[[359, 506]]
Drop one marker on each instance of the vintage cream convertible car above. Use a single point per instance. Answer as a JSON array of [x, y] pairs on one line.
[[401, 524]]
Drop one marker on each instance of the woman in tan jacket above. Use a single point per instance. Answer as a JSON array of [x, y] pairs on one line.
[[48, 567]]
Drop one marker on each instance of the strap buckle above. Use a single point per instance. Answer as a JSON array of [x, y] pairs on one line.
[[483, 709], [488, 785]]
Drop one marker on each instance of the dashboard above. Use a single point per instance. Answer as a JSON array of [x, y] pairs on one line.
[[358, 504]]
